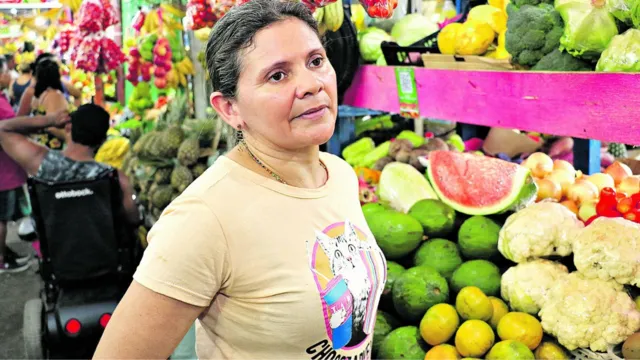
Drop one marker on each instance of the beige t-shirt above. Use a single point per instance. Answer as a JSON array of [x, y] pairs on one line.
[[285, 272]]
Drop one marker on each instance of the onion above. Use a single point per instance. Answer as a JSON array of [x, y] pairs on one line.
[[570, 205], [601, 181], [563, 177], [587, 210], [606, 159], [630, 185], [563, 165], [540, 164], [582, 192], [548, 189], [618, 171]]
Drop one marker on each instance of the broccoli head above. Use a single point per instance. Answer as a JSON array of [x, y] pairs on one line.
[[532, 32], [519, 3], [561, 61]]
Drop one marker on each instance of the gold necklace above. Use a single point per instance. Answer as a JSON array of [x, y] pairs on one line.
[[271, 172]]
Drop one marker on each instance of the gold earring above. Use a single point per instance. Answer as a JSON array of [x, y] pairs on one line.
[[239, 137]]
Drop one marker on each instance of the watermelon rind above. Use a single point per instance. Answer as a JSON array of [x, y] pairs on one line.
[[523, 192]]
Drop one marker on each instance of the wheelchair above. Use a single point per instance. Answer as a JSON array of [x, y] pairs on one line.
[[89, 254]]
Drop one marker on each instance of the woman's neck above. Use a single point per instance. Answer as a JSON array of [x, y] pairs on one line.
[[301, 168]]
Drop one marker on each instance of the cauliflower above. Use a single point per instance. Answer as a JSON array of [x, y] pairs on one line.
[[609, 248], [539, 230], [526, 286], [589, 313]]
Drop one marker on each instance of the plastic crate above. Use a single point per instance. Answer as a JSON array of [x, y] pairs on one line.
[[396, 55]]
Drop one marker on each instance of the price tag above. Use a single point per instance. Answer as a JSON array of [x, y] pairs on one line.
[[407, 92]]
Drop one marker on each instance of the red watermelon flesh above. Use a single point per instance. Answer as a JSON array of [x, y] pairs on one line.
[[478, 185]]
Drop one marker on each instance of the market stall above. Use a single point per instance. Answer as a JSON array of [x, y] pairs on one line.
[[498, 173], [495, 144]]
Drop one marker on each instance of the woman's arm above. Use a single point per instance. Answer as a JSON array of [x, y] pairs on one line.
[[73, 91], [25, 101], [146, 325], [183, 268]]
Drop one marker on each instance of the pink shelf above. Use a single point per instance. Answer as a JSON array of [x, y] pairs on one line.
[[585, 105]]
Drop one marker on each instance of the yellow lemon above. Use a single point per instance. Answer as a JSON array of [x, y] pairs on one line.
[[447, 38], [439, 324], [510, 350], [442, 352], [549, 350], [500, 4], [500, 309], [492, 15], [474, 38], [474, 338], [637, 300], [521, 327], [472, 303]]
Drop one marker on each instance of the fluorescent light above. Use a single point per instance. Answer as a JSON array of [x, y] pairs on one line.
[[28, 6]]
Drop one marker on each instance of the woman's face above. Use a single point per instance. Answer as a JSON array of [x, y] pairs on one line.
[[287, 92]]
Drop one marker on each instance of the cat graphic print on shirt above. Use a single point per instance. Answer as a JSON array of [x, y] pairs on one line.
[[350, 272]]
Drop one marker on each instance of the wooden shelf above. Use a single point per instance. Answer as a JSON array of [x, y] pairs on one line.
[[603, 106]]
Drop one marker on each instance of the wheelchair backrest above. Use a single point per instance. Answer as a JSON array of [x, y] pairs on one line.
[[77, 226]]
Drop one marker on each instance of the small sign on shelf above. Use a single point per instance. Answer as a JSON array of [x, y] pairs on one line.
[[407, 92]]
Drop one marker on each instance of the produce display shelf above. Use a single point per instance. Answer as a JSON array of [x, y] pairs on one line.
[[602, 106]]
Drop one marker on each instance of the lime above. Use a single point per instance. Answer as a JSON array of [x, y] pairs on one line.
[[474, 338], [500, 308], [439, 324], [472, 303], [442, 352], [521, 327], [510, 350]]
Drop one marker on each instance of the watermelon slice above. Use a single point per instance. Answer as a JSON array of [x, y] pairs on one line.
[[480, 185]]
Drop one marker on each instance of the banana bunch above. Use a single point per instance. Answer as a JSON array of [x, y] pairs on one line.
[[113, 152], [74, 5], [151, 22], [172, 10], [183, 69], [330, 17]]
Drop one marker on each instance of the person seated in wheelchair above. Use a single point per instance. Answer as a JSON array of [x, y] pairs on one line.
[[85, 265], [85, 130]]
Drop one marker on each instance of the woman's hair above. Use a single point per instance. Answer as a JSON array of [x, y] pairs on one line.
[[47, 76], [236, 31], [40, 58]]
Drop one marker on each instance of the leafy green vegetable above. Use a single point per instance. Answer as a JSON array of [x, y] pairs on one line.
[[412, 28], [589, 27], [532, 32], [370, 41], [622, 54]]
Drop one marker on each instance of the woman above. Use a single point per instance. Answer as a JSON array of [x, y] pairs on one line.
[[268, 249], [19, 85], [68, 90], [49, 99]]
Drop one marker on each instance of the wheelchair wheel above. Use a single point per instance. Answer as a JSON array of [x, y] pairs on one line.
[[32, 329]]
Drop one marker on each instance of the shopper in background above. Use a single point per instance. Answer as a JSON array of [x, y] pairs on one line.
[[49, 99], [85, 130], [269, 248], [68, 90], [21, 83], [12, 195]]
